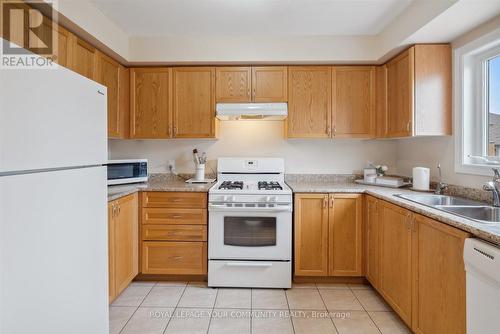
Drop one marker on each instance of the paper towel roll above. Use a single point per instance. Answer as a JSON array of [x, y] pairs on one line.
[[421, 176]]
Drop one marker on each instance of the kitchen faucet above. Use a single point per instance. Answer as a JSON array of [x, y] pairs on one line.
[[494, 187], [440, 187]]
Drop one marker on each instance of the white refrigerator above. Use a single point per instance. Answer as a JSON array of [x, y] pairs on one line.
[[53, 203]]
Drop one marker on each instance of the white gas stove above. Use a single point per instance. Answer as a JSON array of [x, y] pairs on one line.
[[250, 224]]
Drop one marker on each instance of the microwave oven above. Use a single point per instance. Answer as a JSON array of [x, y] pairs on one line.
[[127, 171]]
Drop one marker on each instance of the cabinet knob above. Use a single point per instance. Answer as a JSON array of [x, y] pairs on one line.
[[329, 131], [325, 202], [332, 201]]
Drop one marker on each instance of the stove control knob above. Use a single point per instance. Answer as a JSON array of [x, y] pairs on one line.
[[271, 199]]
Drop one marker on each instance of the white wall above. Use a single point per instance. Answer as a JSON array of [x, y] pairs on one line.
[[261, 138], [428, 152]]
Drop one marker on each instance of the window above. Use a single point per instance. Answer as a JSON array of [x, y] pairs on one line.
[[477, 105], [492, 89]]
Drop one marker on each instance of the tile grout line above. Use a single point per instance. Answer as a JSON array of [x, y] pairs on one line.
[[364, 309], [213, 309], [137, 308], [175, 307], [327, 310], [289, 311], [251, 309]]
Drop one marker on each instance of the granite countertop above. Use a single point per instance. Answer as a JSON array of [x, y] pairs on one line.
[[157, 182], [488, 232]]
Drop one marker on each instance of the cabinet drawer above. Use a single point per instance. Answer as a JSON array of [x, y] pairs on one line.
[[168, 257], [158, 199], [174, 232], [174, 216]]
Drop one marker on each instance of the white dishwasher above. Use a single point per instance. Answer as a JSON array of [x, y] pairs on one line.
[[482, 264]]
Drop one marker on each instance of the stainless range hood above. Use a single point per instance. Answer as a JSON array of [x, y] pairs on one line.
[[251, 111]]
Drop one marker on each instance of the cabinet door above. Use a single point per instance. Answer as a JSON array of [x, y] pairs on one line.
[[194, 102], [234, 84], [269, 84], [345, 245], [150, 103], [353, 105], [60, 37], [381, 101], [124, 102], [439, 294], [309, 102], [372, 246], [126, 233], [433, 90], [111, 251], [400, 92], [82, 57], [62, 48], [311, 234], [396, 258], [108, 74]]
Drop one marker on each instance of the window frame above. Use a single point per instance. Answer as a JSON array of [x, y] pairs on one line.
[[470, 96]]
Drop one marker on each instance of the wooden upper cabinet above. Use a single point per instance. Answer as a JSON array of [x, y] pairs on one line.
[[82, 57], [311, 234], [440, 278], [150, 102], [419, 92], [432, 90], [345, 244], [269, 84], [400, 94], [381, 101], [396, 258], [108, 74], [194, 102], [353, 105], [372, 244], [234, 84], [309, 102]]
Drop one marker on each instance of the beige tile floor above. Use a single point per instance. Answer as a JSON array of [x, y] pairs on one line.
[[181, 307]]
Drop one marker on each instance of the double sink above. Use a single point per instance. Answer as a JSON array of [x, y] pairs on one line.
[[477, 211]]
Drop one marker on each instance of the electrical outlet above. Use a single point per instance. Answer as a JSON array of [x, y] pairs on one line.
[[171, 166]]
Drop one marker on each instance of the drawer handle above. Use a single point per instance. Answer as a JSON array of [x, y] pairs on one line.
[[246, 264], [175, 257], [172, 232], [176, 216], [176, 200]]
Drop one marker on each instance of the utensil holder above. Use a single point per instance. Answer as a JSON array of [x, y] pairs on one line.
[[200, 172]]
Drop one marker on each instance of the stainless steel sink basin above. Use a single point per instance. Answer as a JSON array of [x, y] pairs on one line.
[[434, 200], [484, 214], [478, 211]]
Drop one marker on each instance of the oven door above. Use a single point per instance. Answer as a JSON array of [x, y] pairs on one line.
[[249, 234]]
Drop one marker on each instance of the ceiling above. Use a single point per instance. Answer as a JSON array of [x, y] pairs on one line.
[[232, 18]]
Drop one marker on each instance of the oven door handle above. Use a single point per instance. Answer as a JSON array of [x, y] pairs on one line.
[[248, 264], [223, 207]]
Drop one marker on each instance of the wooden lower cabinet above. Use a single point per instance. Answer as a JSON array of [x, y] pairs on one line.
[[439, 282], [420, 267], [311, 234], [328, 235], [174, 233], [396, 258], [372, 244], [345, 251], [123, 243]]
